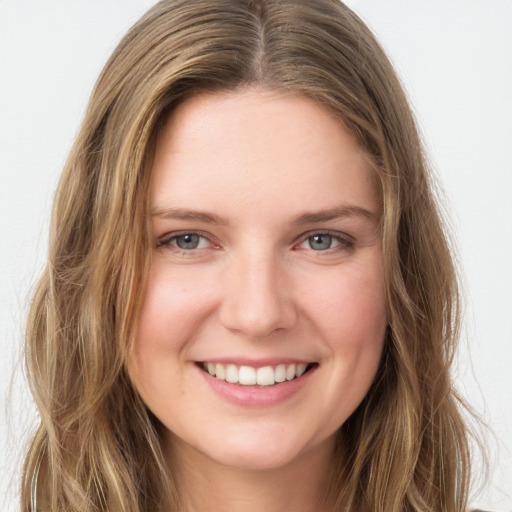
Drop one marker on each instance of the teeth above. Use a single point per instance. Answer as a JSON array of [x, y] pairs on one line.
[[265, 376], [280, 373], [249, 376], [231, 373], [301, 368], [220, 372]]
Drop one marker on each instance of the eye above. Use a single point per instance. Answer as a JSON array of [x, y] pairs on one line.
[[188, 241], [320, 242], [323, 241], [184, 241]]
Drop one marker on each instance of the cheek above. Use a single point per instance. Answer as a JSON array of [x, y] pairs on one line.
[[349, 306], [173, 302], [354, 326], [349, 311], [346, 309], [168, 319]]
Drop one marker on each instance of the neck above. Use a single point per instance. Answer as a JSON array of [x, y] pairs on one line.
[[206, 486]]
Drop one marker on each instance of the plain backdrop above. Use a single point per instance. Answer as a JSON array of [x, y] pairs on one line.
[[455, 60]]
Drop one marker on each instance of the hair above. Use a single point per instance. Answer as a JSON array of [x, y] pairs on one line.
[[97, 446]]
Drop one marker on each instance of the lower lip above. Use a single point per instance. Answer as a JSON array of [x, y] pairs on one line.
[[254, 396]]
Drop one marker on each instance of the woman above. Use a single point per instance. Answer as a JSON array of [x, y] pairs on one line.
[[249, 302]]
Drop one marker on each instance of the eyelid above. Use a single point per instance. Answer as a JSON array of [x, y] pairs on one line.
[[166, 239], [346, 240]]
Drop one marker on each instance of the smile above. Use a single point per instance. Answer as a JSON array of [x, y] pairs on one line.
[[251, 376]]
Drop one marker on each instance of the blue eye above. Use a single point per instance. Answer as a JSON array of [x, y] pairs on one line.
[[187, 241], [184, 241], [325, 241], [320, 241]]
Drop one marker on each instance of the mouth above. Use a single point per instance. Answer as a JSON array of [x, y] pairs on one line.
[[264, 376]]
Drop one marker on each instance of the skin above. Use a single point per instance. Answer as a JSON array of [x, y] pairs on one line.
[[257, 286]]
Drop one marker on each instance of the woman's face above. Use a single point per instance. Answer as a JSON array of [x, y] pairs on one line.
[[264, 315]]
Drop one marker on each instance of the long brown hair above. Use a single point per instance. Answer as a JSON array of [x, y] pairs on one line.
[[97, 446]]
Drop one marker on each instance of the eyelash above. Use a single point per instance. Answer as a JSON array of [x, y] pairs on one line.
[[345, 242], [166, 241]]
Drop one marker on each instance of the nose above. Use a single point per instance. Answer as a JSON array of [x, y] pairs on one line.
[[257, 298]]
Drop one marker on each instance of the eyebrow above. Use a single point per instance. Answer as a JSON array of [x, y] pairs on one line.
[[191, 215], [304, 218], [338, 212]]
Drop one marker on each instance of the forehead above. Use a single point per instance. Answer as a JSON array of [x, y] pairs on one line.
[[255, 148]]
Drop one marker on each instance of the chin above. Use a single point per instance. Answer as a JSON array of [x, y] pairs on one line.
[[262, 458], [266, 450]]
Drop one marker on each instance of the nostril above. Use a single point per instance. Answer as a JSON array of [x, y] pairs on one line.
[[256, 300], [257, 319]]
